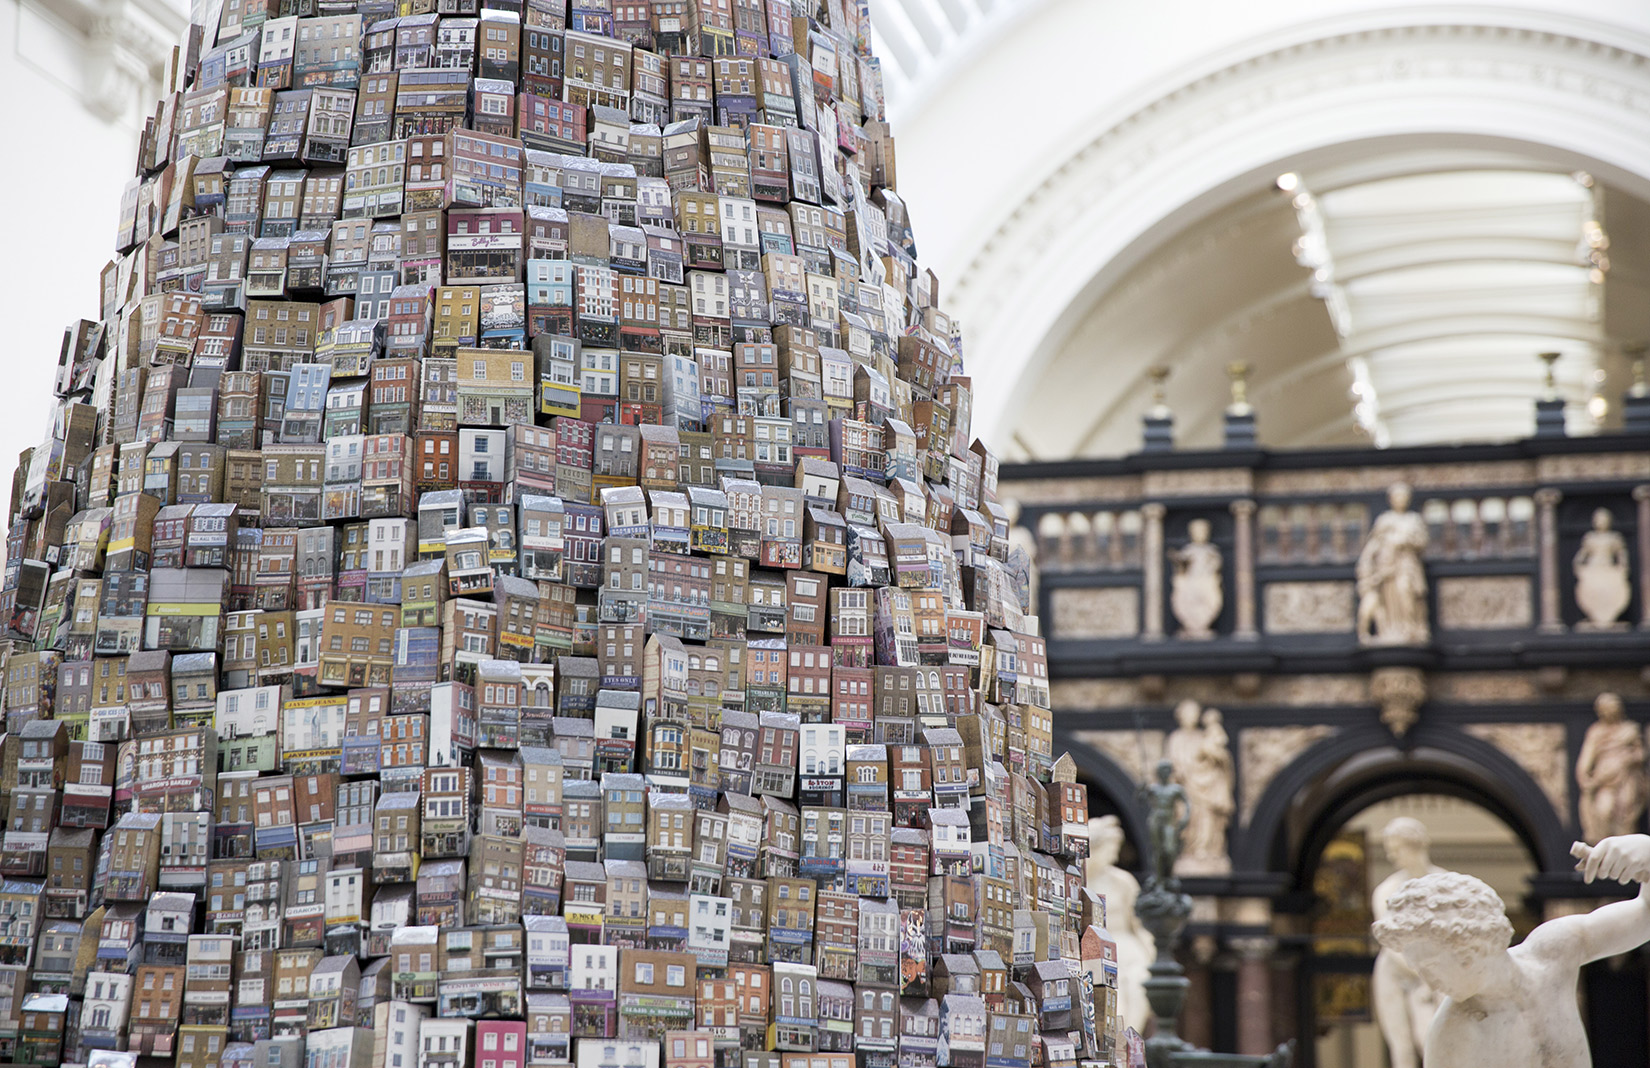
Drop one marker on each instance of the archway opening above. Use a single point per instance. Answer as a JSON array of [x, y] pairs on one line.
[[1335, 979]]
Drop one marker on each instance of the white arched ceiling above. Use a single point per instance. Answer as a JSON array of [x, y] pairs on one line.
[[1138, 130]]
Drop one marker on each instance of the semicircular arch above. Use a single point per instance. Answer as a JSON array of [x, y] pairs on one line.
[[1114, 782], [1564, 91], [1282, 838]]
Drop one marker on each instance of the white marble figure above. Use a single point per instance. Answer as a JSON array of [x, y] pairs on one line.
[[1404, 1003], [1392, 582], [1610, 772], [1513, 1007], [1202, 760], [1196, 596], [1600, 565], [1135, 946]]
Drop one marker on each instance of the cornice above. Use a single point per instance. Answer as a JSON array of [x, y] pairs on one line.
[[123, 48]]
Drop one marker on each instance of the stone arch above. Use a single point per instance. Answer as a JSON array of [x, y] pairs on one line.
[[1115, 784], [1433, 758], [1553, 87]]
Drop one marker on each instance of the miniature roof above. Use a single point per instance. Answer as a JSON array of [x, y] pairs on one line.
[[338, 963], [189, 662], [148, 660], [624, 700], [421, 935], [440, 869], [655, 799], [172, 900], [584, 871], [46, 1003]]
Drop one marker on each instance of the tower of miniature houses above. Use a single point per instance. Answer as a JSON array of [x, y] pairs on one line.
[[510, 581]]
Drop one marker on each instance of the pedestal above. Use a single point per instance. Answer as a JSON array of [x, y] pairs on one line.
[[1549, 419]]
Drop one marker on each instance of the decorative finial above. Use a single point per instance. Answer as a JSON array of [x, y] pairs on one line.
[[1239, 373], [1160, 406], [1551, 383]]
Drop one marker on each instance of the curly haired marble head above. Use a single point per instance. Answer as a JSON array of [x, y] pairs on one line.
[[1445, 908]]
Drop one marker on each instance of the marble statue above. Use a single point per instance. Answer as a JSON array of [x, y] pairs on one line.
[[1201, 755], [1392, 582], [1513, 1007], [1195, 595], [1168, 810], [1600, 565], [1610, 772], [1404, 1003], [1135, 948]]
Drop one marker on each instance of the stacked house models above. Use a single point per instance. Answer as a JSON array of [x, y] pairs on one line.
[[509, 581]]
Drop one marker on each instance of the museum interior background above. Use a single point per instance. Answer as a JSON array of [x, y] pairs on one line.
[[1297, 253]]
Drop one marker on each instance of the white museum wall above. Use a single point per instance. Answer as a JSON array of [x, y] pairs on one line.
[[62, 195]]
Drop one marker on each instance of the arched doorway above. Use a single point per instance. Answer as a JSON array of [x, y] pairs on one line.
[[1334, 978]]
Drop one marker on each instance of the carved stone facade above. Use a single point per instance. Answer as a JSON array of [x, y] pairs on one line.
[[1498, 602], [1133, 751], [1308, 608], [1265, 751], [1095, 613], [1483, 689], [1539, 748]]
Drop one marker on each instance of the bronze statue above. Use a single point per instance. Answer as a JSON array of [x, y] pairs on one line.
[[1167, 812]]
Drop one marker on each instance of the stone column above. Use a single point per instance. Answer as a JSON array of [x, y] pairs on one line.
[[1197, 1019], [1243, 569], [1641, 494], [1254, 994], [1151, 558], [1546, 503]]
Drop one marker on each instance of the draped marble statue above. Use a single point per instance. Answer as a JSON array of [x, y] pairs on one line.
[[1392, 581], [1200, 752], [1610, 772]]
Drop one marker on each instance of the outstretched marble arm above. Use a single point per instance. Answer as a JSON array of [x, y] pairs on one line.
[[1619, 927]]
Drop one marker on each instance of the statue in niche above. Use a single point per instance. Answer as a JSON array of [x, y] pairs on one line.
[[1513, 1007], [1610, 772], [1404, 1003], [1392, 581], [1196, 594], [1135, 946], [1200, 753], [1600, 566]]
